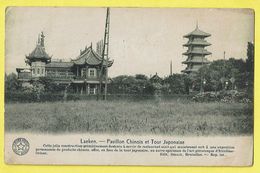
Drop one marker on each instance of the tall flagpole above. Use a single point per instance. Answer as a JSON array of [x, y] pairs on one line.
[[107, 50], [105, 56], [171, 68]]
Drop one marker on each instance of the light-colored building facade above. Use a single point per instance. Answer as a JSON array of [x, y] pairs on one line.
[[83, 73]]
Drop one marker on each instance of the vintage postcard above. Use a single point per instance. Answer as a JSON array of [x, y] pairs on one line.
[[129, 86]]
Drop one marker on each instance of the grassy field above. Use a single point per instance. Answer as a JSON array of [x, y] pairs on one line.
[[144, 117]]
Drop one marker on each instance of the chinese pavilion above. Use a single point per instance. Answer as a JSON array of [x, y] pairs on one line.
[[196, 52], [82, 73]]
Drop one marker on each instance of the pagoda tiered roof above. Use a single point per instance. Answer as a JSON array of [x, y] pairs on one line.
[[90, 57], [38, 53], [200, 52], [197, 32], [189, 70], [197, 42], [193, 61]]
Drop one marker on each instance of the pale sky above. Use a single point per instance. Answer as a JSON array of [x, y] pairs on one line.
[[142, 40]]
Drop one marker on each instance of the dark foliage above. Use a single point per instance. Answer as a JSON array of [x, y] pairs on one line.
[[250, 69], [176, 84], [222, 74], [222, 96], [11, 82]]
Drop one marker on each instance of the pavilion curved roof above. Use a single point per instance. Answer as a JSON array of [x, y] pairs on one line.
[[90, 57]]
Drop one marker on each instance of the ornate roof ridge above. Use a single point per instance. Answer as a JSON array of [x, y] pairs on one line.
[[80, 55]]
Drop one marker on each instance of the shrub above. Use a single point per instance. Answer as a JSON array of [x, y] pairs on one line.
[[222, 96]]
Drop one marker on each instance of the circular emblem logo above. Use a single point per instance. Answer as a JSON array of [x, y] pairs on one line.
[[20, 146]]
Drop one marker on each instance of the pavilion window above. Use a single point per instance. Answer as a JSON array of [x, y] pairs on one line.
[[38, 71], [91, 91], [104, 71], [92, 72], [33, 71], [83, 72]]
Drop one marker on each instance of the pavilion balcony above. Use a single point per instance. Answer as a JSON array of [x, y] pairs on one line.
[[84, 79], [60, 77], [88, 78], [24, 74]]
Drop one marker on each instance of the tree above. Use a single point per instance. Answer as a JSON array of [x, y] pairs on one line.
[[177, 83], [51, 86], [149, 88], [250, 69], [141, 77], [250, 57], [214, 80], [138, 84], [204, 79], [11, 82], [187, 83], [211, 76]]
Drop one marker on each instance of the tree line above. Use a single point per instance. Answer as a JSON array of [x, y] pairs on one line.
[[230, 74]]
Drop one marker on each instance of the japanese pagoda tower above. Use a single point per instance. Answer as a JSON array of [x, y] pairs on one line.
[[196, 52]]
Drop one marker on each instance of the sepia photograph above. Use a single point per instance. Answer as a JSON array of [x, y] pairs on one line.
[[167, 78]]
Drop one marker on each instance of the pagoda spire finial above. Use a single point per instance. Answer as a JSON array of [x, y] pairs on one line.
[[197, 24], [39, 40], [42, 39]]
